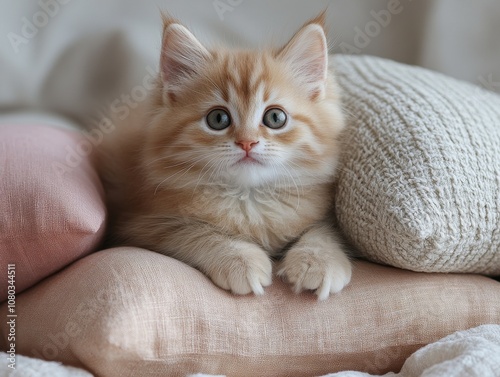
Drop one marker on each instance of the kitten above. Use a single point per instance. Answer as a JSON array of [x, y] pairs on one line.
[[231, 160]]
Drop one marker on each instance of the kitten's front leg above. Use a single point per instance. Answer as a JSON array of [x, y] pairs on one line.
[[243, 268], [317, 261], [233, 264]]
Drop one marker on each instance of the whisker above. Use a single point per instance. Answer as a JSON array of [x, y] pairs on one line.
[[295, 184], [200, 176], [173, 175], [216, 171], [192, 158], [183, 171]]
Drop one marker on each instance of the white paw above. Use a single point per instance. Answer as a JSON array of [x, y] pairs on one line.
[[323, 270], [243, 270]]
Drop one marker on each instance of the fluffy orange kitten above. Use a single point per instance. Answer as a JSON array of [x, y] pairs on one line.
[[231, 161]]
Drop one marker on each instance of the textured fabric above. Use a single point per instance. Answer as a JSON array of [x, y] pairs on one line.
[[419, 180], [51, 202], [471, 353], [130, 312], [30, 367]]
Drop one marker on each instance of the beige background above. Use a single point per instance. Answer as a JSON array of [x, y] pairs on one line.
[[87, 53]]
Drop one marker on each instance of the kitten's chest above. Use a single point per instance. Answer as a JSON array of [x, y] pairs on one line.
[[270, 219]]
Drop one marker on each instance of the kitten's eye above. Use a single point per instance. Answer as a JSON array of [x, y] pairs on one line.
[[275, 118], [218, 119]]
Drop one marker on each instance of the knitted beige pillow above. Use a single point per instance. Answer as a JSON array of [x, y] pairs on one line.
[[419, 179]]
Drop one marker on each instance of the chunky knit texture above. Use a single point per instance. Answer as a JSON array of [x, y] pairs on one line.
[[419, 180]]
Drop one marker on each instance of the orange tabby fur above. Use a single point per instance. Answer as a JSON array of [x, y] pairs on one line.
[[180, 188]]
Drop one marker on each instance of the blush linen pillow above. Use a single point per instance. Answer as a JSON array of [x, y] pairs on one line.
[[51, 202], [419, 178], [128, 312]]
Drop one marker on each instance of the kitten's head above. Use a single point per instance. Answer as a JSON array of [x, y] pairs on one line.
[[244, 118]]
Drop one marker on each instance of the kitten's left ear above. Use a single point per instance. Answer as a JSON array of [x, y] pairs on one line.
[[307, 56]]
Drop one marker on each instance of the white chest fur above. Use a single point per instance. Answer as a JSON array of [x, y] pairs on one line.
[[271, 218]]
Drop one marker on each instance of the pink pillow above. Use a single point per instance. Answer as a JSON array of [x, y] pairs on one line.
[[52, 209]]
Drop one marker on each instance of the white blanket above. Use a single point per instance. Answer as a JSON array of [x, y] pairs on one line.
[[471, 353], [28, 367]]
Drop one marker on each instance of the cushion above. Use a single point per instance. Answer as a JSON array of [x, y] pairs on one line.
[[419, 179], [131, 312], [51, 202]]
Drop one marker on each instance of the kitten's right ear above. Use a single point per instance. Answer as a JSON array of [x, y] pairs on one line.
[[307, 56], [182, 55]]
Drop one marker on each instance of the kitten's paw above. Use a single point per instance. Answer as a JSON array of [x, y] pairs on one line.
[[246, 269], [325, 271]]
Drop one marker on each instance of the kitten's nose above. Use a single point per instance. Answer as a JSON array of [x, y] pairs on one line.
[[246, 145]]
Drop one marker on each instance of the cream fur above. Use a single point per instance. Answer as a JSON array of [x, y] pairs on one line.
[[180, 188]]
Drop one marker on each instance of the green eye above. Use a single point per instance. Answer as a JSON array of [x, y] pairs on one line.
[[275, 118], [218, 119]]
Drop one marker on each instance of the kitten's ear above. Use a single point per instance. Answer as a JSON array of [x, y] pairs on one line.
[[307, 56], [182, 55]]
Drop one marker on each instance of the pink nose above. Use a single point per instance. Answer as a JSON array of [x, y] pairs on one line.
[[246, 145]]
